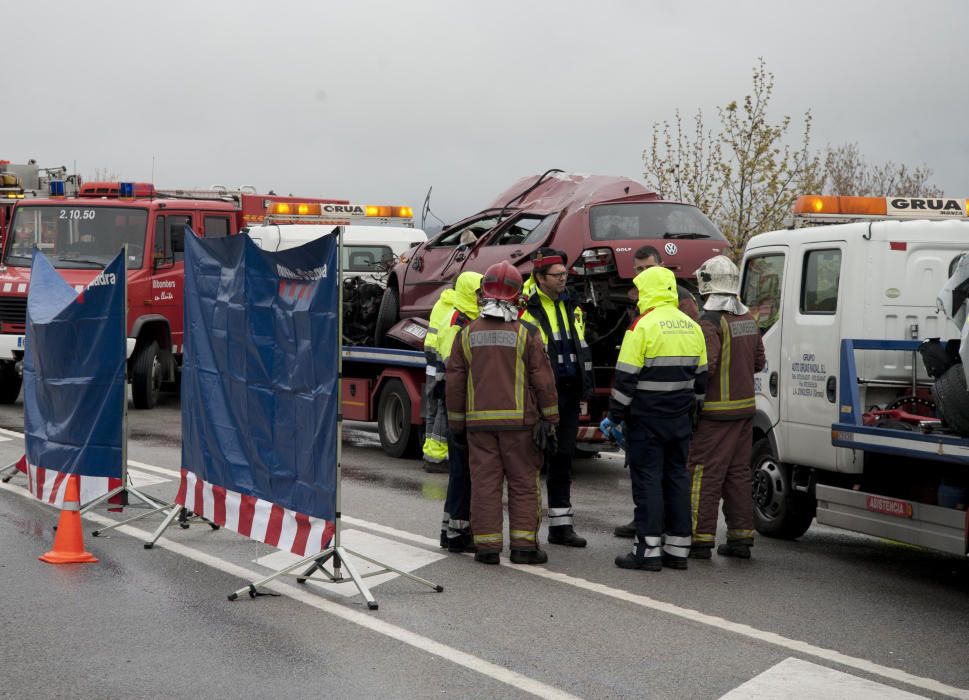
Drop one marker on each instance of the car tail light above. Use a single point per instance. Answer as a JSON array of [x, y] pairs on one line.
[[595, 261]]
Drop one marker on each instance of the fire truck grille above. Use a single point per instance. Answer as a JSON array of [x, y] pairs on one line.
[[13, 310]]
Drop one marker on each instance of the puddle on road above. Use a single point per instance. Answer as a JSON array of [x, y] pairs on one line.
[[432, 489]]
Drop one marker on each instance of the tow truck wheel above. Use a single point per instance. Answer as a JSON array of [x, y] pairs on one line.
[[146, 377], [10, 383], [779, 510], [398, 437], [386, 315]]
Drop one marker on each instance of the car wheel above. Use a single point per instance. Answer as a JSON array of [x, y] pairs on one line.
[[952, 399], [386, 315]]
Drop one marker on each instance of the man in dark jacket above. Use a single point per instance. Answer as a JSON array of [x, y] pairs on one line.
[[558, 318]]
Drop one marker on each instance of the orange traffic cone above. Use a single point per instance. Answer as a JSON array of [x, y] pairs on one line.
[[69, 540]]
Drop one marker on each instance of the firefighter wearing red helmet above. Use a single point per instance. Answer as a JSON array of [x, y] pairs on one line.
[[499, 386]]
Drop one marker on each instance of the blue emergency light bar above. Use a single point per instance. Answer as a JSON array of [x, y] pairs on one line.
[[56, 188], [126, 190]]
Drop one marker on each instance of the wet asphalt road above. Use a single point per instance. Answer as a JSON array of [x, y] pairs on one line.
[[157, 623]]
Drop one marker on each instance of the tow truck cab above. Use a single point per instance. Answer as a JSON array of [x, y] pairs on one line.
[[873, 272]]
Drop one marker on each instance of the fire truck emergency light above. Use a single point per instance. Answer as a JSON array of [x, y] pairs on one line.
[[126, 190], [56, 188], [295, 209]]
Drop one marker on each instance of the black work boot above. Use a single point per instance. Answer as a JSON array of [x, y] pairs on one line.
[[671, 562], [528, 556], [436, 467], [627, 531], [740, 550], [631, 561], [462, 543], [488, 557], [701, 550], [565, 534]]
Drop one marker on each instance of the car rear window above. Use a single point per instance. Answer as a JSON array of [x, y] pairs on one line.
[[611, 222]]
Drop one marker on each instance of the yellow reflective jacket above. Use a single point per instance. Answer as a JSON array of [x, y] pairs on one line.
[[566, 347], [455, 309], [662, 364]]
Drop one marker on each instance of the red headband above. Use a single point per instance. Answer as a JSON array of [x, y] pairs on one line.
[[543, 261]]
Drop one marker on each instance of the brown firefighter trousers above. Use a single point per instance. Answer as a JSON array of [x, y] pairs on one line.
[[719, 464], [494, 456]]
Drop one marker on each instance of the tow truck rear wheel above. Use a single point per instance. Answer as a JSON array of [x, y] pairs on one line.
[[398, 437], [779, 510], [10, 383], [146, 376]]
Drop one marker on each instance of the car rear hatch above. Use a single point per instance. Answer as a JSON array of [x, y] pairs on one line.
[[681, 233]]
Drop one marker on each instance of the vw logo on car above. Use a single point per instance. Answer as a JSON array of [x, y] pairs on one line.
[[670, 248]]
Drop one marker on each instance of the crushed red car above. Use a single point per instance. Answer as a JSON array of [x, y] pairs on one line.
[[598, 221]]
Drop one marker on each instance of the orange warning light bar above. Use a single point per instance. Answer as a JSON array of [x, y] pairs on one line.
[[850, 206]]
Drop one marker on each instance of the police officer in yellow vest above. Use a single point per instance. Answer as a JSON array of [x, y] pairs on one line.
[[453, 311], [557, 316], [659, 385]]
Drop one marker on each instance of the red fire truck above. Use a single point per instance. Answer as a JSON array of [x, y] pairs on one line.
[[80, 234]]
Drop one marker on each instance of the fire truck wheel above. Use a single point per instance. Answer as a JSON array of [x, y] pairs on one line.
[[398, 437], [779, 510], [952, 399], [386, 315], [146, 377], [9, 383]]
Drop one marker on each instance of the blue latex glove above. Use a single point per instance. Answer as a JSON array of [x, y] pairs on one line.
[[613, 432]]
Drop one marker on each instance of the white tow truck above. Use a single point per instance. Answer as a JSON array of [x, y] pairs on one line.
[[846, 426], [374, 238]]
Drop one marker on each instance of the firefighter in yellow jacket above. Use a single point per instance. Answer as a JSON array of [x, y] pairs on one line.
[[453, 311], [499, 386], [719, 460], [659, 382]]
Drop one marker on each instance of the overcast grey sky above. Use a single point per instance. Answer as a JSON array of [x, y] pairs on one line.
[[376, 101]]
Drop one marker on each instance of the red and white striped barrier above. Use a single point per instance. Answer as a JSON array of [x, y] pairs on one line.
[[253, 517]]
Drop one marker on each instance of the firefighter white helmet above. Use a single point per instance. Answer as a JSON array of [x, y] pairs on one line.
[[718, 275]]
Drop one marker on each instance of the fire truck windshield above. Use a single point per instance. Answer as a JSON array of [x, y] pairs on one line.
[[75, 236]]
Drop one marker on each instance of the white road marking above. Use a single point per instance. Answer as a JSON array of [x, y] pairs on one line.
[[153, 468], [400, 556], [794, 679], [366, 620], [140, 479], [693, 615]]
